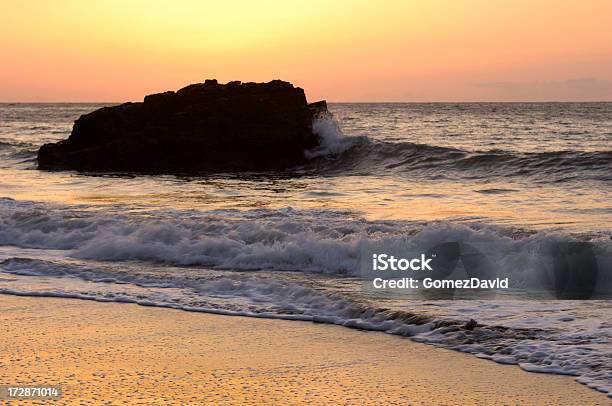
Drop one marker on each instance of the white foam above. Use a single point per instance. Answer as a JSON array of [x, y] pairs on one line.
[[76, 243], [332, 140], [581, 347], [282, 240]]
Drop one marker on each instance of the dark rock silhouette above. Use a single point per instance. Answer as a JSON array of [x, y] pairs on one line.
[[202, 127]]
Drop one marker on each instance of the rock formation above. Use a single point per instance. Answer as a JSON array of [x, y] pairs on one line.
[[204, 127]]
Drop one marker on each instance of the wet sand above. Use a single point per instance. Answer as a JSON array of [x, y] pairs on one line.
[[124, 354]]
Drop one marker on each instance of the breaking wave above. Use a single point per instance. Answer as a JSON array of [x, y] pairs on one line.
[[188, 259], [564, 342], [313, 241], [347, 154]]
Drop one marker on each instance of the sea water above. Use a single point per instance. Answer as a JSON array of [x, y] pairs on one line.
[[514, 176]]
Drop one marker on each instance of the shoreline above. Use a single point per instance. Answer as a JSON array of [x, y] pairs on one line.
[[136, 354]]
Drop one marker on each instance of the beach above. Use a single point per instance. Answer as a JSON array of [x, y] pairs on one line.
[[120, 354], [228, 203]]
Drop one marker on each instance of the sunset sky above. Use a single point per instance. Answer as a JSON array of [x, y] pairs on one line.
[[337, 50]]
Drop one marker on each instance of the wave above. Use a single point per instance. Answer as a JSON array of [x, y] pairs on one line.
[[308, 241], [579, 351], [339, 153], [299, 265], [16, 153]]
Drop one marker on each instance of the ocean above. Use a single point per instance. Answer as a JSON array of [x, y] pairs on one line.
[[514, 176]]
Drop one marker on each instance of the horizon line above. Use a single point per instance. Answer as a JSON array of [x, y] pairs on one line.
[[339, 102]]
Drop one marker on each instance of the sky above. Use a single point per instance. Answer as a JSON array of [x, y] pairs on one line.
[[429, 50]]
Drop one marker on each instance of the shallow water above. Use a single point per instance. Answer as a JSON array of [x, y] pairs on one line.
[[515, 176]]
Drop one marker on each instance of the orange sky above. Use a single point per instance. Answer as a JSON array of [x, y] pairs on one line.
[[434, 50]]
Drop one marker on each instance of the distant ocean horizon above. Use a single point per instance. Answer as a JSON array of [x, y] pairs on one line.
[[338, 102], [514, 175]]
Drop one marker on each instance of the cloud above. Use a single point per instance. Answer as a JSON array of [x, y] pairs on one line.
[[584, 89]]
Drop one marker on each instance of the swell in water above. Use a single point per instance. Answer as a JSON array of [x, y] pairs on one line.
[[360, 155], [339, 154]]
